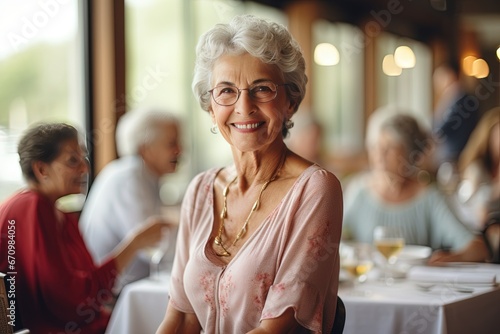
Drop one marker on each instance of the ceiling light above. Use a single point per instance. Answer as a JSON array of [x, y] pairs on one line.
[[404, 57], [467, 65], [326, 54], [480, 68], [389, 66]]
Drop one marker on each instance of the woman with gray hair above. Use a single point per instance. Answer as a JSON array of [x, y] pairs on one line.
[[397, 192], [257, 248]]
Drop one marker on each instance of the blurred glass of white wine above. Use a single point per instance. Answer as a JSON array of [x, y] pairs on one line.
[[389, 242], [358, 262]]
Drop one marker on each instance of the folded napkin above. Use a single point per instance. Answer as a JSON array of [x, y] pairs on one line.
[[450, 275]]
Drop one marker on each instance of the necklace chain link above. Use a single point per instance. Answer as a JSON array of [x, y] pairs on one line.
[[223, 214]]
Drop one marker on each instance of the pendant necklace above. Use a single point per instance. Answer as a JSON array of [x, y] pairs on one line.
[[223, 214]]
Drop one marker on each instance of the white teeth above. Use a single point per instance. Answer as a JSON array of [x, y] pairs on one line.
[[247, 126]]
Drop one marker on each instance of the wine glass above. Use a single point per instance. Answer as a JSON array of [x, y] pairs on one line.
[[389, 241], [158, 252], [358, 262]]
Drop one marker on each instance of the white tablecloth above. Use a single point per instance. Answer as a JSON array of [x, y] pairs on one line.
[[374, 307], [371, 307], [140, 308]]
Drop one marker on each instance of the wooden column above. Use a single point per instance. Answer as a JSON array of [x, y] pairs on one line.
[[108, 73], [301, 16]]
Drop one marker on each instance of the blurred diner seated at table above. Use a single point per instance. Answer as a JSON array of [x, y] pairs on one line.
[[479, 166], [126, 193], [397, 191], [257, 248], [478, 193], [58, 286]]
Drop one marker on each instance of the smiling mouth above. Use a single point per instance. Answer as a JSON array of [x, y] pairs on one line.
[[248, 126]]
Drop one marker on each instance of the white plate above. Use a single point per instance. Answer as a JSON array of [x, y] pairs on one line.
[[414, 254]]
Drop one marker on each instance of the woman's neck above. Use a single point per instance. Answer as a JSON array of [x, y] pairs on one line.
[[39, 188], [253, 168], [395, 188]]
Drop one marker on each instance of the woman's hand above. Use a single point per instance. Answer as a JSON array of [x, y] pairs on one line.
[[475, 251], [177, 322], [144, 236], [440, 256], [150, 233]]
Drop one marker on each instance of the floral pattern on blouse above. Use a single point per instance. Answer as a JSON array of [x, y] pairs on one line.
[[263, 282], [207, 282], [318, 243], [227, 286]]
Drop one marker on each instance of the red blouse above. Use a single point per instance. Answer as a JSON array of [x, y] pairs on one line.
[[58, 288]]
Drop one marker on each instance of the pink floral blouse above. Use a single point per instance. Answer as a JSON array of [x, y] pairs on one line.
[[290, 261]]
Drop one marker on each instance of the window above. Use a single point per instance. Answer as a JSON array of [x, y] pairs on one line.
[[42, 75], [411, 90], [338, 89]]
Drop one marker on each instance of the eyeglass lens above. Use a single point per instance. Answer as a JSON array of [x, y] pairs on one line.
[[227, 95]]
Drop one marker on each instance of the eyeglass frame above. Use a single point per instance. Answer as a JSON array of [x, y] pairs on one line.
[[248, 89]]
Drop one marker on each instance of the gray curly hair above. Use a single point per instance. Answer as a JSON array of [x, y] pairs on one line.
[[268, 41]]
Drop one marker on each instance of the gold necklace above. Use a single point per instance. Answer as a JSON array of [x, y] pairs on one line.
[[223, 214]]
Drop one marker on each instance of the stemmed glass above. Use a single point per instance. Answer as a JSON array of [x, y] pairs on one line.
[[358, 262], [158, 253], [389, 241]]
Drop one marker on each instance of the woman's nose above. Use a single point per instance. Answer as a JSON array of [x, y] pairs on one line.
[[85, 166], [245, 104]]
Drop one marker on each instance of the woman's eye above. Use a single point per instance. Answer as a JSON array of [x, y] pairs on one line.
[[73, 161], [228, 90], [262, 89]]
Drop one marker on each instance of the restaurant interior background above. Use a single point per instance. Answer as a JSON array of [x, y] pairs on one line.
[[88, 62]]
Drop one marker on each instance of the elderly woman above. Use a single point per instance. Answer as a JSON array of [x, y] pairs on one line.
[[397, 192], [257, 248], [58, 288]]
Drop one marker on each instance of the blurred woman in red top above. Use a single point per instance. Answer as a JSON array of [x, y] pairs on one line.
[[57, 286]]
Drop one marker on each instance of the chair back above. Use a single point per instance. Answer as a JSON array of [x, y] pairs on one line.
[[6, 321], [491, 235], [5, 327], [339, 322]]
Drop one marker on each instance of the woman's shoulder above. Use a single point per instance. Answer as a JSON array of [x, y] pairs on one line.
[[316, 173], [23, 203], [23, 197], [202, 181], [318, 179]]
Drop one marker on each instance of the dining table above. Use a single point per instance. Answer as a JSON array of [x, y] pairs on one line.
[[141, 306], [445, 304]]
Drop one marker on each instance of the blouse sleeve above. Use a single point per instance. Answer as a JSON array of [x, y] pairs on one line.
[[447, 230], [307, 276]]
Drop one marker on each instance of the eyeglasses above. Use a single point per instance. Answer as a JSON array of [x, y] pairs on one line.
[[227, 95]]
